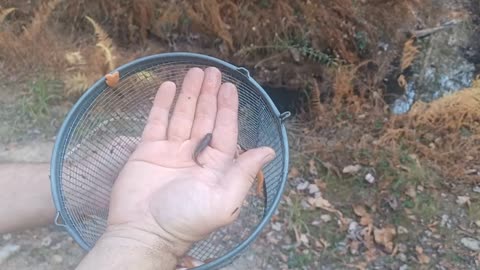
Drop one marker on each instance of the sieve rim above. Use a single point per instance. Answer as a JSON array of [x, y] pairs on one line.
[[78, 110]]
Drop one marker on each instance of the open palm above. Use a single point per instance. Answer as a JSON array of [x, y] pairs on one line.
[[161, 189]]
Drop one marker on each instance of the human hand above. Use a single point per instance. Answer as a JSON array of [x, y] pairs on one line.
[[161, 195]]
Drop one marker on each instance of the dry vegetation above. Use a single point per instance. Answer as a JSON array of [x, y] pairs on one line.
[[329, 47]]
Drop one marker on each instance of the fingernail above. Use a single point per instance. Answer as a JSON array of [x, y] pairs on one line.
[[270, 156]]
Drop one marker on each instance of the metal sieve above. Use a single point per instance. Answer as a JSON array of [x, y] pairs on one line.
[[105, 125]]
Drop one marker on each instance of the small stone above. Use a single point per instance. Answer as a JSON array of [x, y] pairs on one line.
[[471, 243], [7, 251], [428, 233], [402, 230], [402, 257], [317, 194], [304, 239], [7, 236], [57, 259], [46, 241], [326, 218], [443, 195], [316, 222], [444, 220], [305, 205], [420, 188], [277, 226], [351, 169], [477, 223], [476, 189], [56, 246], [403, 267], [402, 248], [302, 186], [370, 178], [312, 189]]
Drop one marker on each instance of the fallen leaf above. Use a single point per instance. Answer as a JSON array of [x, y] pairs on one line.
[[331, 168], [411, 192], [321, 184], [304, 239], [260, 184], [293, 173], [312, 189], [422, 258], [366, 220], [320, 202], [354, 246], [385, 237], [463, 200], [351, 169], [360, 210], [112, 79], [312, 169], [302, 186]]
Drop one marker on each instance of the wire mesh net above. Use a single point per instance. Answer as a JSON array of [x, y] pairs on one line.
[[106, 125]]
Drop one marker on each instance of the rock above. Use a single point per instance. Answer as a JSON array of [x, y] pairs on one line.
[[402, 248], [477, 223], [420, 188], [441, 68], [471, 243], [46, 241], [326, 218], [316, 222], [277, 226], [312, 189], [302, 186], [402, 257], [57, 259], [444, 221], [476, 189], [351, 169], [403, 267], [7, 251], [402, 230], [7, 236], [370, 178]]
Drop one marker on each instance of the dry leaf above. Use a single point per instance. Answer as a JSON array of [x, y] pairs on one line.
[[385, 237], [351, 169], [360, 210], [422, 258], [293, 173], [304, 239], [331, 168], [462, 200], [320, 202], [321, 184], [366, 220], [411, 192], [402, 82], [260, 183], [354, 246], [312, 169]]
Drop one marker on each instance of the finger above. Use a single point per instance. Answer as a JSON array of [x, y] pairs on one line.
[[225, 132], [207, 103], [157, 123], [241, 176], [182, 118]]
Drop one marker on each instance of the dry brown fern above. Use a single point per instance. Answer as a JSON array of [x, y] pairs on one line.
[[409, 54], [40, 19], [315, 102], [104, 42], [76, 84], [4, 12], [343, 87]]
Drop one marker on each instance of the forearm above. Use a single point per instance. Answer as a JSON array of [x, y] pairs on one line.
[[119, 249], [25, 195]]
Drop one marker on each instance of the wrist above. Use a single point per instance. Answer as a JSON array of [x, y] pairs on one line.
[[149, 240]]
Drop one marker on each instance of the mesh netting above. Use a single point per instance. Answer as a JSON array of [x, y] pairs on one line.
[[105, 126]]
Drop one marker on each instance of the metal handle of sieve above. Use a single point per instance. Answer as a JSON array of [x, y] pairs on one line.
[[244, 71], [284, 116], [57, 220]]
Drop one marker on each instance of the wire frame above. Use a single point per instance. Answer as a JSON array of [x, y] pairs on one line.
[[105, 125]]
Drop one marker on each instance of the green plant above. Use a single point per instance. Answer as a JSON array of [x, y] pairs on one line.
[[35, 104]]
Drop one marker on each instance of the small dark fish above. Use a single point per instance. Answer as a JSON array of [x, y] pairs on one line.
[[201, 146]]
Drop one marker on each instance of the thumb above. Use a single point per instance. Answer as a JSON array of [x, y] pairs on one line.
[[242, 174]]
